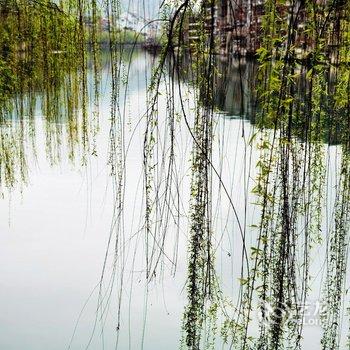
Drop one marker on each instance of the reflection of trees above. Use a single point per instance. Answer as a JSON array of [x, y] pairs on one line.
[[53, 92], [44, 79], [235, 88], [42, 73], [235, 95]]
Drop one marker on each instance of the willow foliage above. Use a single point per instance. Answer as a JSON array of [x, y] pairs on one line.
[[303, 93], [42, 72]]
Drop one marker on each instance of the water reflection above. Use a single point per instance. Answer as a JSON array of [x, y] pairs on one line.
[[51, 92], [54, 246], [235, 88], [62, 95], [54, 235], [235, 96]]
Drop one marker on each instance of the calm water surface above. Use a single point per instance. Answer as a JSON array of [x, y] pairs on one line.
[[54, 233]]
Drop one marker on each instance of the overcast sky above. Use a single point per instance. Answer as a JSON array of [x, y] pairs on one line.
[[141, 6]]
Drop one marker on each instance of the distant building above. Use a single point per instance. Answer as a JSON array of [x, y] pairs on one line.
[[238, 24]]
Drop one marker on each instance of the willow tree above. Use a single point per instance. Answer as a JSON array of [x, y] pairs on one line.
[[43, 63], [303, 97]]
